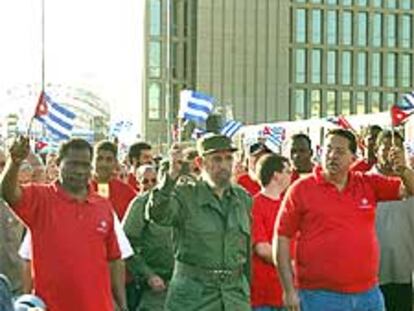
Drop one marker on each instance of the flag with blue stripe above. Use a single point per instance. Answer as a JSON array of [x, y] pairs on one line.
[[197, 133], [231, 127], [274, 137], [195, 106], [57, 119]]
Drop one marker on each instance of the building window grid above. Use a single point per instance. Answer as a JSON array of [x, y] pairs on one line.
[[382, 90]]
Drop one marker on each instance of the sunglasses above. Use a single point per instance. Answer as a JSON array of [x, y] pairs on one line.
[[146, 181]]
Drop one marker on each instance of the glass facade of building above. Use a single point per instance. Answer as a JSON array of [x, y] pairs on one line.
[[349, 56]]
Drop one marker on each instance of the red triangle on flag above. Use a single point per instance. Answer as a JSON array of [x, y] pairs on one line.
[[40, 145], [41, 107], [398, 116], [267, 131]]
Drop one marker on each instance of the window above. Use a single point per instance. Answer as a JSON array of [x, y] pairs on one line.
[[155, 17], [392, 4], [391, 69], [299, 104], [389, 100], [315, 109], [391, 30], [377, 30], [316, 26], [347, 2], [331, 67], [406, 31], [405, 4], [154, 59], [300, 66], [362, 69], [360, 102], [346, 103], [346, 67], [332, 27], [362, 2], [376, 69], [347, 28], [375, 102], [406, 70], [330, 103], [331, 1], [377, 3], [154, 96], [300, 26], [362, 29], [316, 1], [316, 66]]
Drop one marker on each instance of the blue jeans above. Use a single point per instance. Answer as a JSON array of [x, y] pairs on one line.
[[267, 308], [317, 300]]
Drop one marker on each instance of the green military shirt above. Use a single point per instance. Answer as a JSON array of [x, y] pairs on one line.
[[152, 244], [209, 234]]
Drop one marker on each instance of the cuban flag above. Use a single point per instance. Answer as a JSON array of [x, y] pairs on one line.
[[274, 137], [230, 128], [57, 119], [341, 122], [402, 109], [195, 106]]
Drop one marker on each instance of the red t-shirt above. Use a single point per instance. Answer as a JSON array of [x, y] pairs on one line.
[[266, 289], [120, 195], [337, 247], [248, 184], [361, 165], [72, 244], [132, 181]]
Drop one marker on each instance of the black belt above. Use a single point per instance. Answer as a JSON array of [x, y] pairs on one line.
[[206, 274]]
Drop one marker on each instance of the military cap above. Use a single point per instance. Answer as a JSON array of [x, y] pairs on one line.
[[211, 143]]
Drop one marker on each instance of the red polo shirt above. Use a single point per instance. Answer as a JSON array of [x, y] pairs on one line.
[[265, 287], [337, 248], [132, 181], [361, 165], [248, 184], [72, 244], [120, 194]]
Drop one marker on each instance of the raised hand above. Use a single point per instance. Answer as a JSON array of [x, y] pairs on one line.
[[19, 149], [397, 158]]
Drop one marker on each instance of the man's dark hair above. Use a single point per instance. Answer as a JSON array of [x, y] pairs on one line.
[[74, 144], [268, 165], [348, 135], [107, 146], [136, 149], [387, 134], [304, 137], [371, 128]]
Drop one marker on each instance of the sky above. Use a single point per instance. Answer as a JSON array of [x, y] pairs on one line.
[[92, 44]]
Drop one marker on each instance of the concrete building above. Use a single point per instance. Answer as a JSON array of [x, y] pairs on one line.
[[277, 60]]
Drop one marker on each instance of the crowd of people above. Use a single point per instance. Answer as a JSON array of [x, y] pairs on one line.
[[211, 227]]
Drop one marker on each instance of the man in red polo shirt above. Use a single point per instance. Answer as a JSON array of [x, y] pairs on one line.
[[104, 163], [333, 210], [274, 175], [75, 250], [301, 155]]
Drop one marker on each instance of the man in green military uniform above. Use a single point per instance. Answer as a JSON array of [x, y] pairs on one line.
[[211, 232], [153, 260]]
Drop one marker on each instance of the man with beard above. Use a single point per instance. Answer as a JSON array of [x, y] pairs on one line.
[[211, 231], [75, 249], [333, 210]]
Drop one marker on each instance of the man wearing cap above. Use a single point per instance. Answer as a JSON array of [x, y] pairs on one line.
[[211, 231]]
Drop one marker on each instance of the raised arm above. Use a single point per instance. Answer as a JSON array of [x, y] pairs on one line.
[[9, 186]]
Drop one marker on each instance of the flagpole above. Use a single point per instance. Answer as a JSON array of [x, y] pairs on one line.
[[42, 70], [168, 108]]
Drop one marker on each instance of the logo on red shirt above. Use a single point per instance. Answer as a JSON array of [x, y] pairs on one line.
[[365, 204], [102, 226]]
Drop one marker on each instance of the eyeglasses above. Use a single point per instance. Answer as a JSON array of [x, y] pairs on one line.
[[146, 181]]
